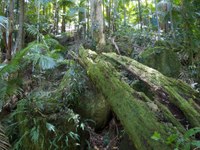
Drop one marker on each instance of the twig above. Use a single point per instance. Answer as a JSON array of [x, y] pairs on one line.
[[114, 43]]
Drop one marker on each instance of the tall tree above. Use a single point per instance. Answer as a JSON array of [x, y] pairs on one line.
[[140, 14], [56, 16], [21, 25], [63, 4], [97, 22], [10, 30]]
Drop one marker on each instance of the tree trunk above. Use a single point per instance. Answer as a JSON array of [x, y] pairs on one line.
[[157, 18], [82, 24], [21, 25], [97, 22], [10, 30], [63, 19], [140, 14], [140, 115], [56, 17], [1, 53], [168, 91], [124, 15], [108, 14]]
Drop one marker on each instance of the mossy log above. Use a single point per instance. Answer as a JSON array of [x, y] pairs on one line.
[[163, 59], [140, 115], [168, 91]]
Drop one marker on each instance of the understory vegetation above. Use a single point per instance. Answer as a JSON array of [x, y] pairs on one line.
[[99, 74]]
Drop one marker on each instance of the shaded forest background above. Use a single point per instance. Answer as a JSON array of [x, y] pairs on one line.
[[52, 98]]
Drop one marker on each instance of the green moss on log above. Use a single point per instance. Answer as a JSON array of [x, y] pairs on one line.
[[162, 59], [177, 92], [92, 105], [130, 106]]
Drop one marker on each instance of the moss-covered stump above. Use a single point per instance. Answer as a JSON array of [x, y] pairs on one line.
[[92, 105], [162, 59], [179, 98], [133, 108]]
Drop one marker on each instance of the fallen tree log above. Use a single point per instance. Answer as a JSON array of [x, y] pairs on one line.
[[140, 115], [170, 92]]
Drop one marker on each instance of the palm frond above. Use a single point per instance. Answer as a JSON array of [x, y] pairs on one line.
[[4, 142], [33, 30], [53, 44], [9, 88], [38, 57], [46, 62], [3, 21], [9, 84], [14, 65]]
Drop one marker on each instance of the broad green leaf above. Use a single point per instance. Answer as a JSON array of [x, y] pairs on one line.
[[156, 136]]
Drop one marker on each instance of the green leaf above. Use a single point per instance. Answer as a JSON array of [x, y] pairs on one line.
[[191, 132], [50, 127], [198, 13], [35, 134], [156, 136], [74, 136], [3, 21], [67, 140], [196, 143], [172, 138], [46, 62], [186, 146], [82, 126]]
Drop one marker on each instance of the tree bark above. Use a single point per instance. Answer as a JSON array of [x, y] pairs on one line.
[[56, 17], [97, 22], [10, 30], [108, 14], [21, 25], [140, 115], [82, 23], [140, 14], [63, 19]]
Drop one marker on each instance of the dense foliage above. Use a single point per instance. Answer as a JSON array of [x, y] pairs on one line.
[[43, 84]]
